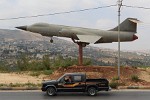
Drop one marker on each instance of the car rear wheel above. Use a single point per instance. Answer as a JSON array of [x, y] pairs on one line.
[[51, 91], [92, 91]]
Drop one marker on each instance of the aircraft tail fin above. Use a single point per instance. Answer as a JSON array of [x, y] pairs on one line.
[[128, 25]]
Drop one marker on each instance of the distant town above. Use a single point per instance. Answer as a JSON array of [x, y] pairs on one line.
[[11, 50], [15, 43]]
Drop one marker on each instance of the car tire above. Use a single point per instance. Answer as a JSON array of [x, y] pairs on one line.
[[51, 91], [92, 91]]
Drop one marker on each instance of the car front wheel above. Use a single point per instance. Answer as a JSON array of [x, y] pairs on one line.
[[51, 91]]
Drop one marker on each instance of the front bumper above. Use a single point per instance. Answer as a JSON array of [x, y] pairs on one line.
[[109, 88], [43, 89]]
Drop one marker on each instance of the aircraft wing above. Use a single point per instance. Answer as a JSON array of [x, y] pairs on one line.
[[88, 38], [83, 35]]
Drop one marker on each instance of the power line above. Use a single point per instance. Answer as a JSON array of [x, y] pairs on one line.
[[135, 7], [73, 11], [57, 13]]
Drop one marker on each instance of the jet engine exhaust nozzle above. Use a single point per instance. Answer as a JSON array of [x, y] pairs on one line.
[[135, 37]]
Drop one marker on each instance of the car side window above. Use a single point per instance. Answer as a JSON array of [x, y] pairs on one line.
[[68, 79], [77, 78], [62, 80]]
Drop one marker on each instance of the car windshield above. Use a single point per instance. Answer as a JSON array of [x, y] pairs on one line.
[[60, 78]]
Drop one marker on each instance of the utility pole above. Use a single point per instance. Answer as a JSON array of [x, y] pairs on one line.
[[119, 8]]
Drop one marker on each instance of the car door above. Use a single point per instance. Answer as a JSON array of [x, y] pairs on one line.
[[64, 86], [76, 84]]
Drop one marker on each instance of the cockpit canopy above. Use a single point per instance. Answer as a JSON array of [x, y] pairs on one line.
[[41, 25]]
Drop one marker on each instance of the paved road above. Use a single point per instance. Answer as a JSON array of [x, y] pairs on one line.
[[38, 95]]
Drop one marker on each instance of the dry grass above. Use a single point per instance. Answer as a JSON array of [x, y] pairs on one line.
[[91, 71]]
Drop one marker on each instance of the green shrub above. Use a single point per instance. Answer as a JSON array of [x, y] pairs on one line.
[[47, 72], [15, 85], [135, 78], [1, 85], [135, 67], [36, 66], [30, 84], [39, 85], [35, 73], [64, 62], [87, 61], [115, 78], [21, 85], [114, 85], [46, 62], [25, 63]]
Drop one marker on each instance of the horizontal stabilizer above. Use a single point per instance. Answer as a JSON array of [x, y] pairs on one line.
[[88, 38]]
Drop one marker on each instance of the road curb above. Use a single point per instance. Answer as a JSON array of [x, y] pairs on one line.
[[20, 88], [134, 87]]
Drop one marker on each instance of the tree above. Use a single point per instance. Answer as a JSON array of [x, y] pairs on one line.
[[23, 62], [46, 62]]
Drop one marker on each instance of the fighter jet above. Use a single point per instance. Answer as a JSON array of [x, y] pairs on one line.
[[85, 36], [128, 28]]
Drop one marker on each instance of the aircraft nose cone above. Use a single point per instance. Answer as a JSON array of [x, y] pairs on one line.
[[135, 37], [22, 27]]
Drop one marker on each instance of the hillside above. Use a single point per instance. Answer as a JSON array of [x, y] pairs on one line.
[[34, 44], [14, 42], [11, 35]]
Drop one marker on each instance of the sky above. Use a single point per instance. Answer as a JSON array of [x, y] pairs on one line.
[[104, 18]]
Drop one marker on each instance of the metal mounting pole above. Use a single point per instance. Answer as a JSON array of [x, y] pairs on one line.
[[80, 55], [119, 7], [80, 59]]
